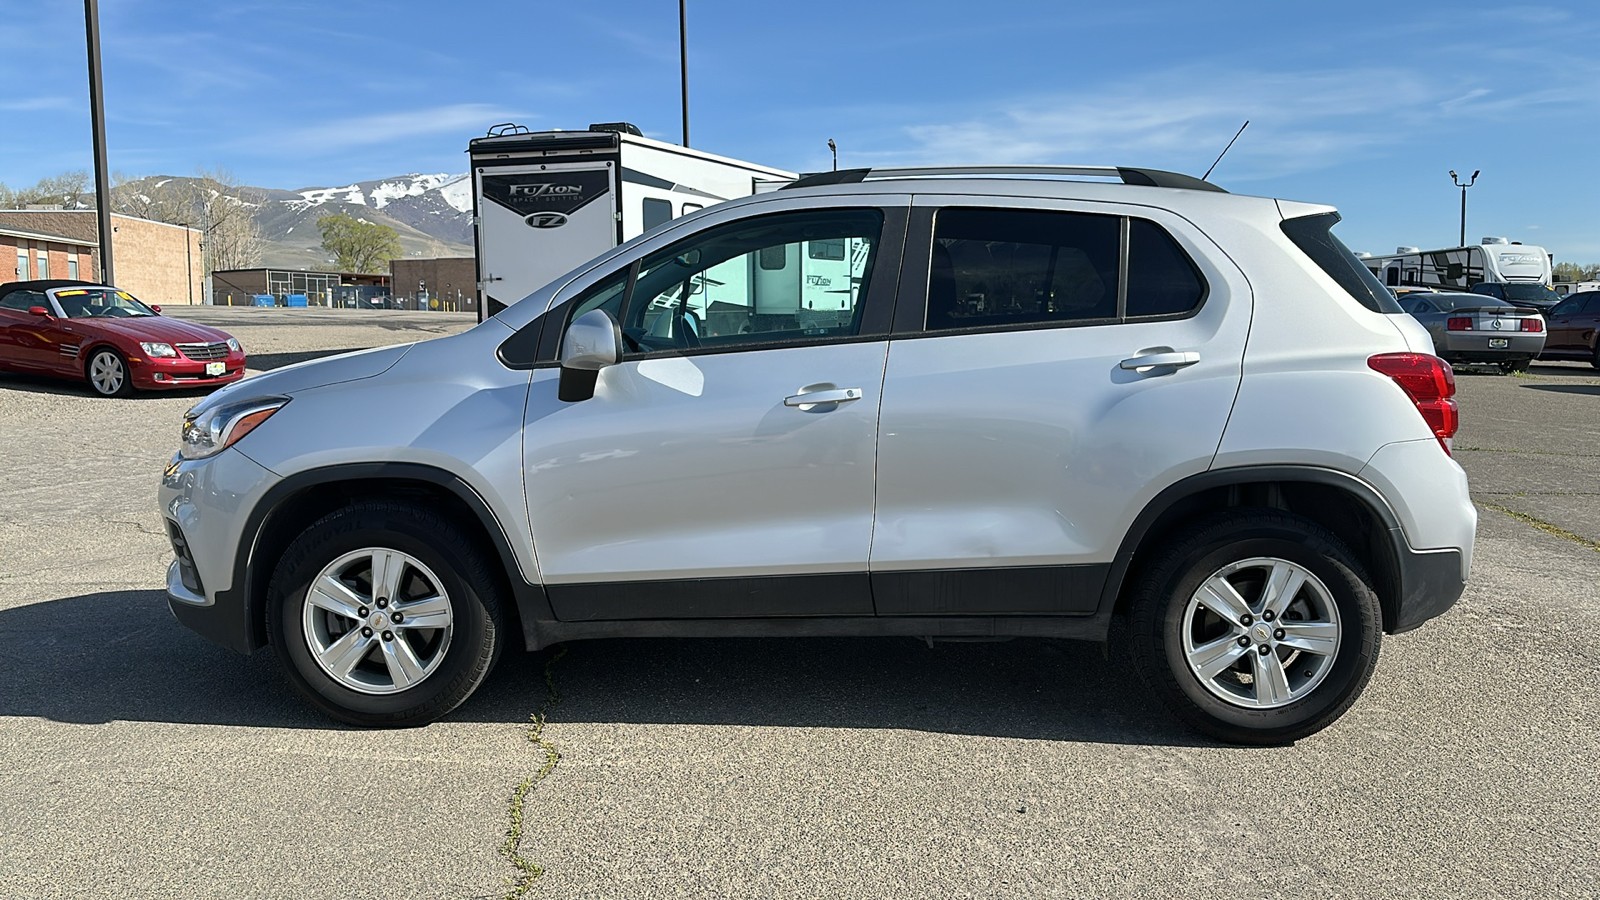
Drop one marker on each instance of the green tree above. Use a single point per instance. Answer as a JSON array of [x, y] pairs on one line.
[[1573, 272], [357, 245]]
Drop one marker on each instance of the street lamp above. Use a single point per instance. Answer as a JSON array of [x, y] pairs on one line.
[[1457, 182]]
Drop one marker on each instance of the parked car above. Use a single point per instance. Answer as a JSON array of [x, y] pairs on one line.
[[926, 403], [104, 336], [1574, 323], [1474, 328], [1538, 296]]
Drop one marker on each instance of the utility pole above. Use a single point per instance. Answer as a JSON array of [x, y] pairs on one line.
[[683, 63], [1457, 182], [97, 116]]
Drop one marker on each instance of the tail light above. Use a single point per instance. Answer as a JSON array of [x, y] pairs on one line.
[[1458, 323], [1535, 325], [1430, 383]]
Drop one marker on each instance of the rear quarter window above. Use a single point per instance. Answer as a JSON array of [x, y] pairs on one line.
[[1314, 236]]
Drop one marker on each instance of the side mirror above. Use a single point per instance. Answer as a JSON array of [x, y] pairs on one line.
[[39, 311], [155, 309], [592, 342]]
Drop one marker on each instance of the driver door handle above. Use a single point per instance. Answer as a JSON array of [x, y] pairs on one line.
[[808, 399], [1168, 359]]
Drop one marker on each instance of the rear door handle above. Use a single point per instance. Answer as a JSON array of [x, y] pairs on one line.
[[806, 400], [1165, 359]]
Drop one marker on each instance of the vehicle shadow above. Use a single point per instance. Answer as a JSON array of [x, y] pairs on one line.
[[120, 656], [1591, 390]]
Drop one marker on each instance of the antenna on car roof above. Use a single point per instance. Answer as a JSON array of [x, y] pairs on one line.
[[1226, 149]]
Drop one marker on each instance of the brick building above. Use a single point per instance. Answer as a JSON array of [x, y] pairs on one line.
[[155, 261], [26, 255], [450, 280]]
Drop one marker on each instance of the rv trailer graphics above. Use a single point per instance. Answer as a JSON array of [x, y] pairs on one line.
[[547, 201]]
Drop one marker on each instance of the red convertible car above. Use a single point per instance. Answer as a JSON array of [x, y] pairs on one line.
[[78, 329]]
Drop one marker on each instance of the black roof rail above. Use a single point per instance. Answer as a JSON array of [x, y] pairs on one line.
[[1145, 177], [838, 176]]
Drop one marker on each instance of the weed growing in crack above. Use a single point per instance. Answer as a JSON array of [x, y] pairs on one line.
[[529, 871]]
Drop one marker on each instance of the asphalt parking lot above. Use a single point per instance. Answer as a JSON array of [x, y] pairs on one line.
[[138, 760]]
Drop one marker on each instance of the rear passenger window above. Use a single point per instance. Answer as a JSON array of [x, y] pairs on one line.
[[1002, 267], [1162, 280]]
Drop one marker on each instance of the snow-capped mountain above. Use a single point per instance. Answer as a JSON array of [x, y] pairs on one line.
[[432, 213], [438, 205]]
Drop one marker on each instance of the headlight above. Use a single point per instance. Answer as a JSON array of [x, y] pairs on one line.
[[217, 428], [233, 344], [158, 350]]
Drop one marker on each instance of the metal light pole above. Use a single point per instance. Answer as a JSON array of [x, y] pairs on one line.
[[1457, 182], [683, 63], [188, 262], [97, 117], [834, 149]]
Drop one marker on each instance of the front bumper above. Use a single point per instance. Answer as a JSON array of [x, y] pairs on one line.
[[206, 504], [169, 373]]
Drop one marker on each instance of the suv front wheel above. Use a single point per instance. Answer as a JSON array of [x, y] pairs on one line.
[[385, 614], [1256, 627]]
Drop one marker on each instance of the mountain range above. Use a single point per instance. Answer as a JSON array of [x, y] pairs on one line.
[[431, 213]]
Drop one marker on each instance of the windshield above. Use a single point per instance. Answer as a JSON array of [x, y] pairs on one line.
[[1530, 292], [84, 303]]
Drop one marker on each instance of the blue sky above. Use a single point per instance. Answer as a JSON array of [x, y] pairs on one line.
[[1365, 106]]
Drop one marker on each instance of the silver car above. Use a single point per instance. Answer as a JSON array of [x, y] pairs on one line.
[[1478, 329], [924, 403]]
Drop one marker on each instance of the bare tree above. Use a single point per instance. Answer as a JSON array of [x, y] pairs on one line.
[[69, 190], [211, 201]]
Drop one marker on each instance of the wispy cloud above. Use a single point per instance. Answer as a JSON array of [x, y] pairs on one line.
[[339, 135], [1177, 118], [43, 104]]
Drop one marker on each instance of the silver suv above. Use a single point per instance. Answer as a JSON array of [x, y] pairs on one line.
[[931, 403]]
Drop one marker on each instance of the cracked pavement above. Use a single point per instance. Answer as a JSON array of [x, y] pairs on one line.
[[138, 760]]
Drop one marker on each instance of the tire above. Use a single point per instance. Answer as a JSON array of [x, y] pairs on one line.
[[107, 373], [1594, 358], [1232, 692], [373, 663]]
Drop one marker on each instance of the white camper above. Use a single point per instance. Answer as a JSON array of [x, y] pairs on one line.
[[1494, 259], [546, 201]]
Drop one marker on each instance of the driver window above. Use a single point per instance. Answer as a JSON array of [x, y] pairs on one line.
[[776, 279]]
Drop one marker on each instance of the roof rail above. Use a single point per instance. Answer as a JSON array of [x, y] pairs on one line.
[[1145, 177]]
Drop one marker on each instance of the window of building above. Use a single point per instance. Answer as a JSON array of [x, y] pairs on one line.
[[42, 256], [22, 262]]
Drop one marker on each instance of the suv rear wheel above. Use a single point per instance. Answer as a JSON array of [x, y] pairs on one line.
[[1255, 627], [385, 614]]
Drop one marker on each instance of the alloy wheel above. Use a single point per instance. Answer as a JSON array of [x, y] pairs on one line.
[[377, 621], [107, 373], [1261, 633]]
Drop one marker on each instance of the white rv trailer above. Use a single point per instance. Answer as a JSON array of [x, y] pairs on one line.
[[544, 202], [1565, 288], [1459, 268]]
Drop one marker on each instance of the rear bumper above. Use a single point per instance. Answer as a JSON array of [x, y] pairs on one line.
[[1431, 582], [1474, 346]]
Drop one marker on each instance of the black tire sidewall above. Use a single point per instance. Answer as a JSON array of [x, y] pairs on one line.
[[1159, 626], [475, 636]]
